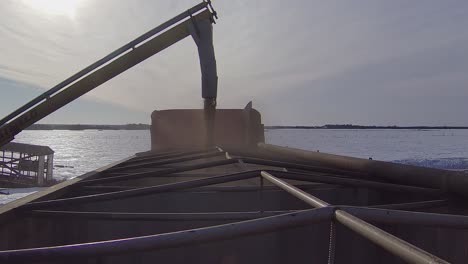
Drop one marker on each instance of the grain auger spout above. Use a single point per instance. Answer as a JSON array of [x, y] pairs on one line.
[[202, 34], [196, 21]]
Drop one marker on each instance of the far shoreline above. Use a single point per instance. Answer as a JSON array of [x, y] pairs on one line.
[[366, 127], [148, 127]]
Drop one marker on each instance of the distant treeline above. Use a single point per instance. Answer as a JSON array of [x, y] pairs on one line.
[[147, 127], [349, 126], [84, 127]]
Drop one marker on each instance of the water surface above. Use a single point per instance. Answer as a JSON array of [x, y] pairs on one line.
[[85, 150]]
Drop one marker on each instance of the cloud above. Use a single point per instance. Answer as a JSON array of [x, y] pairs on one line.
[[79, 111], [305, 62]]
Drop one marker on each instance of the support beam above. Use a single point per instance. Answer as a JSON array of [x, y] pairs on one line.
[[40, 170], [154, 164], [104, 188], [413, 205], [290, 165], [144, 190], [157, 173], [163, 156], [392, 244], [50, 168], [218, 216], [355, 183], [386, 216], [305, 197], [169, 240]]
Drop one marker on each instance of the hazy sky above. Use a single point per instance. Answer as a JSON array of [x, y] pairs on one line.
[[301, 62]]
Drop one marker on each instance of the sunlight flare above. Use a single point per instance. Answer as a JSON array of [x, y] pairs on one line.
[[55, 7]]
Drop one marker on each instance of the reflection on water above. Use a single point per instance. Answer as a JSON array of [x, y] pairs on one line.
[[445, 149], [11, 194], [77, 152]]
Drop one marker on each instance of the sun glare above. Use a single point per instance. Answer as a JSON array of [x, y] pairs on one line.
[[55, 7]]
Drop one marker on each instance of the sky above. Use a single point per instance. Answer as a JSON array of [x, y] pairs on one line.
[[367, 62]]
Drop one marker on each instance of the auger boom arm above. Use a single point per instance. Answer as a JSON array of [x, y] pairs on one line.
[[196, 21]]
